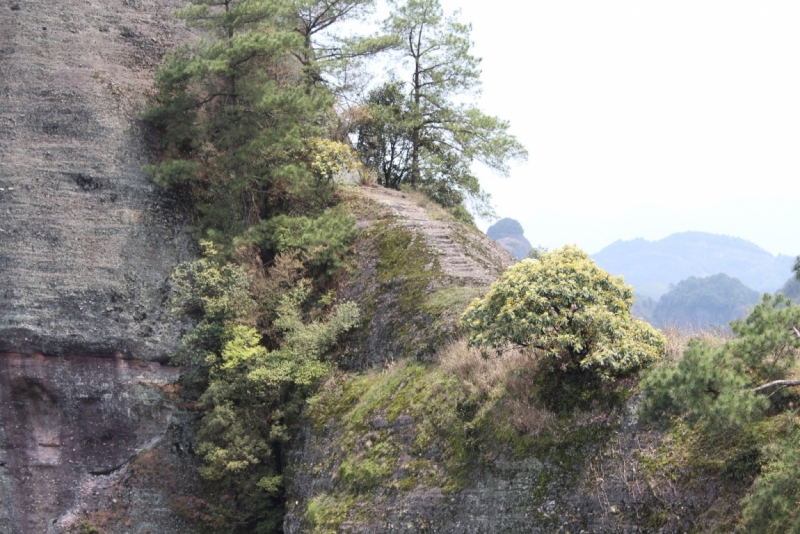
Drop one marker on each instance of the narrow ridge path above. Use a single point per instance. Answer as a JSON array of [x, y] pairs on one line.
[[462, 253]]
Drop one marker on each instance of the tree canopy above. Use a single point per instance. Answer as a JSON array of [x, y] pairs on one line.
[[571, 313], [418, 131]]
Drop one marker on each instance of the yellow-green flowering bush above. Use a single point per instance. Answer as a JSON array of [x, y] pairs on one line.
[[569, 312]]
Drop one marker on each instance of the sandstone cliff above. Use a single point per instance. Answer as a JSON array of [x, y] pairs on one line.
[[87, 242], [86, 239]]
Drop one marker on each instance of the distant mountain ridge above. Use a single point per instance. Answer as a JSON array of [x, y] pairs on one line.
[[653, 266]]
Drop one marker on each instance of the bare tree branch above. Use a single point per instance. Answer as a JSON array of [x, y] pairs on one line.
[[777, 383]]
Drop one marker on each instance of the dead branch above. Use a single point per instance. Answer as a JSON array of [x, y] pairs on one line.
[[777, 383]]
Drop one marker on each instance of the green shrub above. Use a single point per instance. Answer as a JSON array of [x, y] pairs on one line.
[[569, 311], [214, 293], [324, 239], [251, 393], [773, 503]]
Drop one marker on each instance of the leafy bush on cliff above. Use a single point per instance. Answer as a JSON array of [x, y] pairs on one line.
[[571, 313], [252, 392], [216, 294]]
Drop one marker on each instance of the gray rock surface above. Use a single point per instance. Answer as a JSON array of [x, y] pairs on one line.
[[87, 243], [86, 239]]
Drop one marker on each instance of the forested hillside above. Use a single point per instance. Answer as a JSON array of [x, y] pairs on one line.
[[651, 266], [700, 303], [791, 289]]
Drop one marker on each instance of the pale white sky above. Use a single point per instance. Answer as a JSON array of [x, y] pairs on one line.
[[644, 118]]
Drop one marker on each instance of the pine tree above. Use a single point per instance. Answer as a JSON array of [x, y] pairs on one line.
[[326, 53], [417, 132], [244, 115]]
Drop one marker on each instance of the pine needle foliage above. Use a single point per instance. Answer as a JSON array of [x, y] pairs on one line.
[[773, 503], [240, 131], [419, 131], [742, 387], [713, 384]]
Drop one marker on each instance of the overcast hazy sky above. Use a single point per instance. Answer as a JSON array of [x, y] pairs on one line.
[[644, 118]]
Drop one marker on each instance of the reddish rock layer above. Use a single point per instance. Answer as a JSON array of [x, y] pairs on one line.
[[66, 421]]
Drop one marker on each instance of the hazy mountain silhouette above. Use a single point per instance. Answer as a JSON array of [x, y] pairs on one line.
[[791, 289], [652, 266], [702, 302], [509, 233]]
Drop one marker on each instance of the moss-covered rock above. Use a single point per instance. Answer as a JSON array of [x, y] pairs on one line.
[[414, 270], [409, 448], [419, 433]]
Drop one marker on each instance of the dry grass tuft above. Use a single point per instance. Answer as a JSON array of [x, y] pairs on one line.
[[482, 374], [678, 339], [528, 418], [504, 379], [366, 177]]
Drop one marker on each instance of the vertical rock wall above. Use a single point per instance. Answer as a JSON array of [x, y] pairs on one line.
[[68, 422], [87, 243], [86, 239]]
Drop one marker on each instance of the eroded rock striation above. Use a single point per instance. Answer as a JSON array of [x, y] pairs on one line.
[[87, 242], [86, 239]]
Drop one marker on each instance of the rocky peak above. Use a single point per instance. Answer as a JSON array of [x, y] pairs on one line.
[[510, 234]]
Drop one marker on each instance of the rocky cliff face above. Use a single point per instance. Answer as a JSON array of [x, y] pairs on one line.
[[86, 239], [87, 242], [423, 434], [69, 425]]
